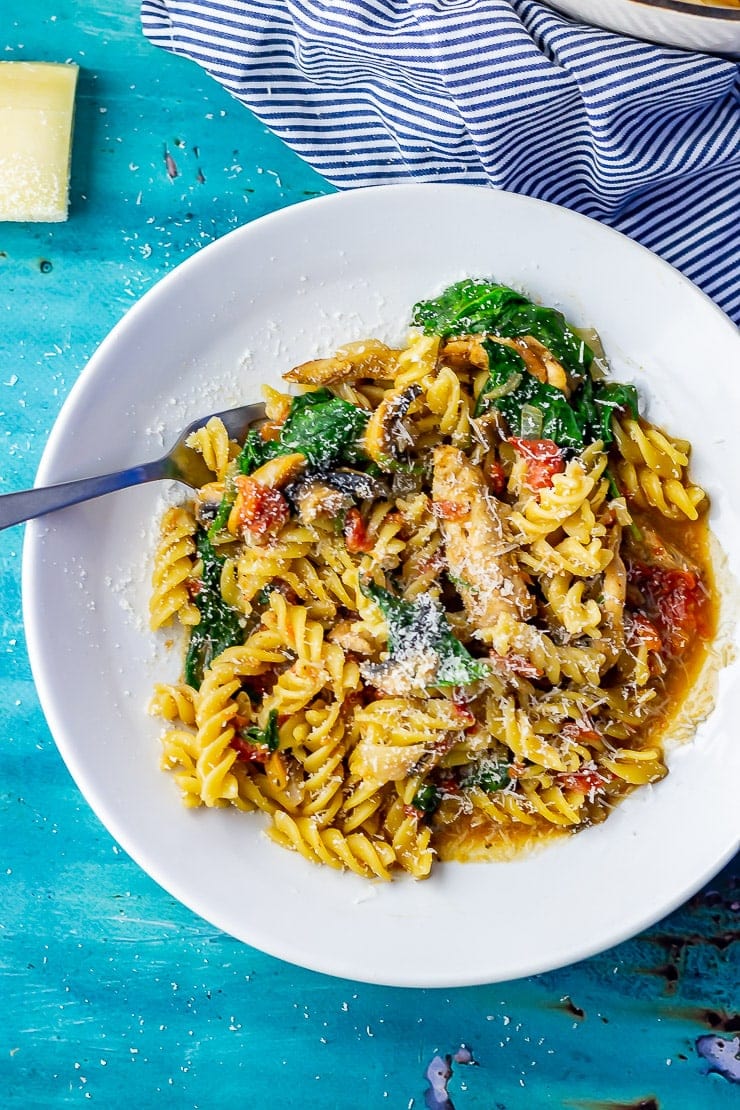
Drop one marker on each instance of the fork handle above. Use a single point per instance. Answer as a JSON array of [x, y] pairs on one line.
[[30, 503]]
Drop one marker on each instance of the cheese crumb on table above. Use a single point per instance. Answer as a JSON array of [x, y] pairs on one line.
[[36, 110]]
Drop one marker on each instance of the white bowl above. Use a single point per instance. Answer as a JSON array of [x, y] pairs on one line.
[[269, 295], [693, 24]]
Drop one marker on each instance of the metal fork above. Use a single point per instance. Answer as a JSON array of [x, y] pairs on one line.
[[181, 463]]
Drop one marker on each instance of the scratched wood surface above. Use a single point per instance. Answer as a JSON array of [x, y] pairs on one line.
[[111, 991]]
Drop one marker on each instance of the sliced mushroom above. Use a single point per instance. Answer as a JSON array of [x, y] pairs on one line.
[[386, 435], [315, 497], [464, 353], [468, 352], [363, 487], [332, 492], [367, 359]]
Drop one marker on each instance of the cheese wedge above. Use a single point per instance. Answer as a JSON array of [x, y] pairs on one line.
[[36, 111]]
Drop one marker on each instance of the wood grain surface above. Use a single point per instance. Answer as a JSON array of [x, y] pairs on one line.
[[113, 993]]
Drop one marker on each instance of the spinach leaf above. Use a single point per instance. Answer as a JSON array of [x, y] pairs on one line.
[[324, 428], [419, 627], [426, 799], [220, 625], [475, 306], [611, 396], [267, 736], [489, 776], [569, 423], [559, 421]]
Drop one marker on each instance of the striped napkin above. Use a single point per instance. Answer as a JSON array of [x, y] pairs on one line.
[[504, 92]]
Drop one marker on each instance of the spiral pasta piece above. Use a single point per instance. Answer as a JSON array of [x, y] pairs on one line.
[[213, 443], [174, 562]]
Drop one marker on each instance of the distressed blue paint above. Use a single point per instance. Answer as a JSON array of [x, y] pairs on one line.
[[110, 989]]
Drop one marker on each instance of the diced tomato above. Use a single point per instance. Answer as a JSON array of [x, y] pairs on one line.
[[580, 733], [673, 600], [496, 477], [193, 586], [645, 631], [356, 535], [516, 770], [262, 510], [583, 782], [544, 460], [250, 753], [464, 713], [451, 510], [434, 564]]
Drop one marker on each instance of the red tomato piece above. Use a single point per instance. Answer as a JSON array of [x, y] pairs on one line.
[[250, 753], [579, 733], [583, 782], [356, 535], [675, 601], [645, 630], [544, 460], [496, 477], [262, 510], [512, 663]]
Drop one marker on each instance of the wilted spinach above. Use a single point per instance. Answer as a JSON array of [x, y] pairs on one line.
[[220, 626], [419, 626], [324, 428]]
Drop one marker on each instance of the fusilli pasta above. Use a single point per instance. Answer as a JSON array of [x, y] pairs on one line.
[[443, 603]]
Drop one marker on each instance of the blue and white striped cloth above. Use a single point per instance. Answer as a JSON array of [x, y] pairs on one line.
[[505, 92]]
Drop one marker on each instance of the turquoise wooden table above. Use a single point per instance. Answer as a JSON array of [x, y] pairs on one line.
[[112, 992]]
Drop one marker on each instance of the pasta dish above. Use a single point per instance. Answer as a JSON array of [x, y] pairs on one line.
[[444, 601]]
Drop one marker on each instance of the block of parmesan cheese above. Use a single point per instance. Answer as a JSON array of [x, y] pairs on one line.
[[36, 112]]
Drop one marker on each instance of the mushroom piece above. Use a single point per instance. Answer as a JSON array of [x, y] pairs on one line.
[[468, 352], [367, 359], [332, 493], [386, 435], [464, 353], [315, 497]]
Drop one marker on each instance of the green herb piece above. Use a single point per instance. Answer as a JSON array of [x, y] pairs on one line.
[[324, 428], [267, 736], [220, 626], [418, 628], [491, 777], [426, 799], [474, 307]]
